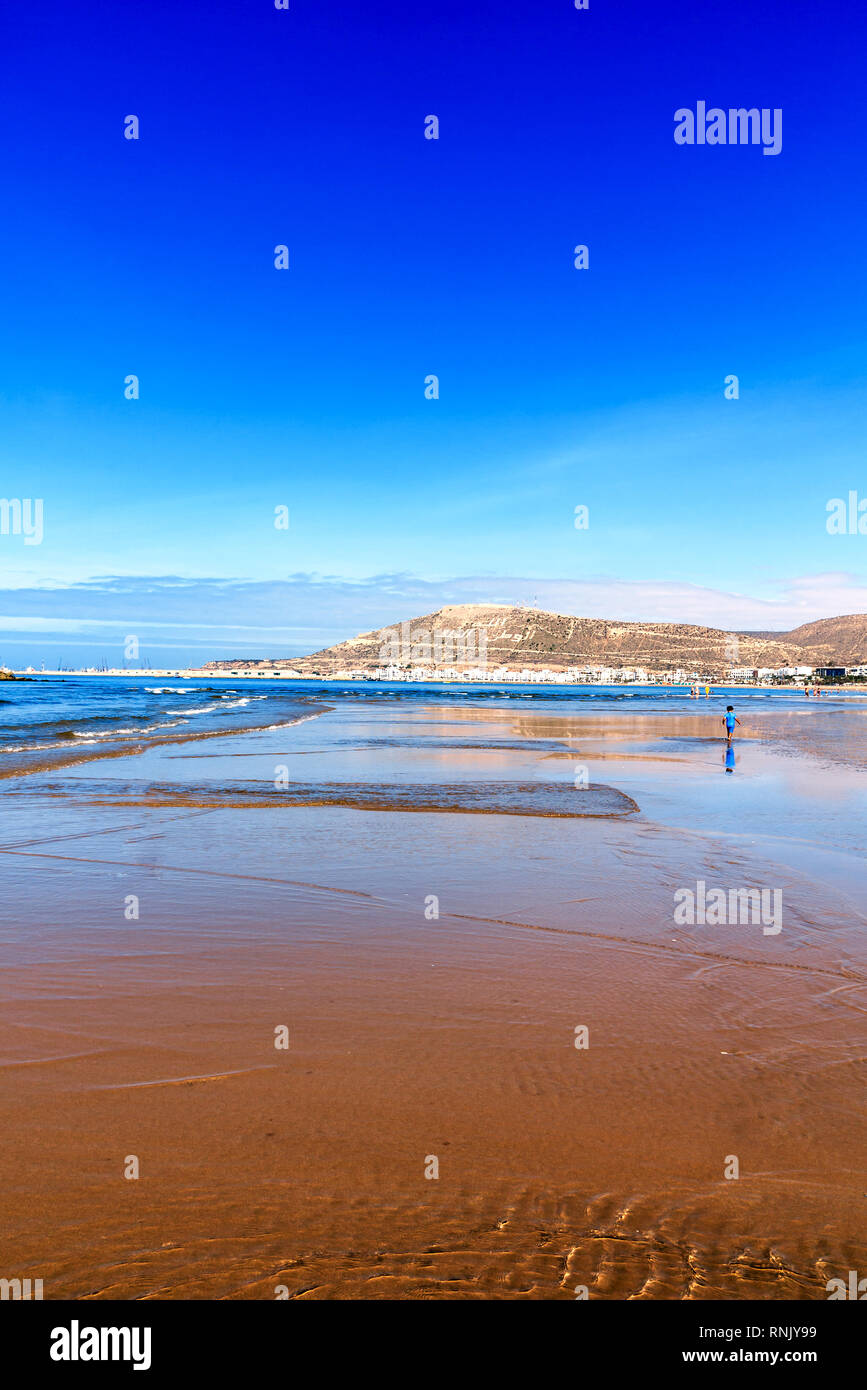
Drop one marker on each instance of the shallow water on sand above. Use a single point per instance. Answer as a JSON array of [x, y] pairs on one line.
[[431, 967]]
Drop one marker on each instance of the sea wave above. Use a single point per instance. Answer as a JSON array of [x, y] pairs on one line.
[[89, 737], [218, 704], [130, 741]]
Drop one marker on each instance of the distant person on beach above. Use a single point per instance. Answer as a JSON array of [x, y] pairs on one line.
[[730, 720]]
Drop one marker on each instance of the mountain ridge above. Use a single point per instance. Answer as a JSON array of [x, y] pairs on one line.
[[458, 635]]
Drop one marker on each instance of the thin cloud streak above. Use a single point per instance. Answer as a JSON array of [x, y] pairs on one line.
[[304, 612]]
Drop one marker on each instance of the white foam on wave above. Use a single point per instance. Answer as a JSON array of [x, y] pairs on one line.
[[120, 733], [89, 738], [218, 704], [85, 739], [286, 723]]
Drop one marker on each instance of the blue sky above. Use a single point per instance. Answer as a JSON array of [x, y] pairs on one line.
[[305, 387]]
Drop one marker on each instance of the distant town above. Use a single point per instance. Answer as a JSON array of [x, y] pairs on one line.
[[494, 675]]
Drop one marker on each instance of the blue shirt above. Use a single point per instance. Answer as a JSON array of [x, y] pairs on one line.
[[730, 721]]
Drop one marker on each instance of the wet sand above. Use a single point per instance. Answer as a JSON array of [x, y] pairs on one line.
[[415, 1034]]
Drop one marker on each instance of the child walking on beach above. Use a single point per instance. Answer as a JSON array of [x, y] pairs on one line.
[[729, 720]]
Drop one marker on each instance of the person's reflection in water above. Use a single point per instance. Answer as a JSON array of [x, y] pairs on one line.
[[730, 759]]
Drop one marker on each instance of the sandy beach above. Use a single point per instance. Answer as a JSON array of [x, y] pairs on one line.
[[430, 903]]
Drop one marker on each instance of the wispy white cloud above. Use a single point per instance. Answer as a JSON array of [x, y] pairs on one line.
[[303, 612]]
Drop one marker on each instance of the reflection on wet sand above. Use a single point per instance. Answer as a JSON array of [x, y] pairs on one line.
[[431, 970]]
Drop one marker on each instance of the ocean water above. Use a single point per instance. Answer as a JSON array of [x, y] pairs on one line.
[[794, 774], [57, 721], [84, 713]]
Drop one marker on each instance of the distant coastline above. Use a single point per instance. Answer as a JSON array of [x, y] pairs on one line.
[[504, 644], [422, 676]]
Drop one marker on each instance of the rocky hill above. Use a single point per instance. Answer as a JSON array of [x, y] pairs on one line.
[[836, 641], [527, 637]]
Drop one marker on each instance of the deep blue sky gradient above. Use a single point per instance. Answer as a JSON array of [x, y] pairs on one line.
[[411, 257]]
